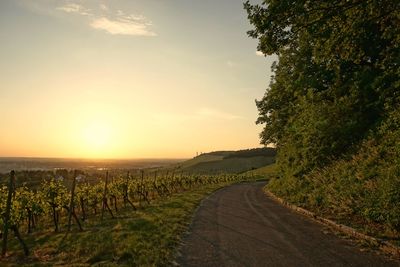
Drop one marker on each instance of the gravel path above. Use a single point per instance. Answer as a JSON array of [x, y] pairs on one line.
[[240, 226]]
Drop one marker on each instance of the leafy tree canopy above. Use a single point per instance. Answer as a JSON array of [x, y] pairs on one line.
[[337, 76]]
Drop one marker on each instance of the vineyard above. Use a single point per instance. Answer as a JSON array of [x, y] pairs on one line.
[[62, 202]]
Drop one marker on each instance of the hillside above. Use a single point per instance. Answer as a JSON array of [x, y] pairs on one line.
[[265, 172], [229, 161]]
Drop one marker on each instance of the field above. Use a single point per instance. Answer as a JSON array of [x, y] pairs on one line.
[[134, 219], [229, 161], [112, 216], [146, 237]]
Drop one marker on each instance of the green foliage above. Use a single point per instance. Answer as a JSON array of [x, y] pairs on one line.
[[55, 194], [332, 106], [336, 78], [365, 184]]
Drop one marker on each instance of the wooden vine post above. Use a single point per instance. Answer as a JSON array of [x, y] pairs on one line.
[[126, 192], [126, 184], [104, 196], [7, 224], [71, 209], [142, 192], [141, 184], [105, 204], [71, 203], [155, 189], [7, 214]]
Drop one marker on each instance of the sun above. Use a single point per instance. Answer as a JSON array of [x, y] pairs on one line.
[[97, 137]]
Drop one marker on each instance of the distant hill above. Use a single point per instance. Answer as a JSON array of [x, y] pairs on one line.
[[51, 164], [229, 161], [255, 152]]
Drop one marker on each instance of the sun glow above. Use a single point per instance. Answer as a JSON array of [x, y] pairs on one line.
[[102, 81], [97, 138], [97, 135]]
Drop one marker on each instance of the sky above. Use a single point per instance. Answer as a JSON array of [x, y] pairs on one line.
[[128, 78]]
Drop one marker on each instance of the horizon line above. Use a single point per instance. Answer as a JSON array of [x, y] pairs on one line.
[[94, 158]]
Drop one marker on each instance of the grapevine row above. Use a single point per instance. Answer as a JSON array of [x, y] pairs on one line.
[[55, 200]]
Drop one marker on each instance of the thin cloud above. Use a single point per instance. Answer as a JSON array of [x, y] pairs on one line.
[[103, 7], [166, 118], [231, 64], [259, 53], [216, 114], [122, 26], [118, 23], [75, 8], [201, 114]]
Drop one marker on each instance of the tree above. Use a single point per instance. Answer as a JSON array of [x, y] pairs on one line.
[[337, 76]]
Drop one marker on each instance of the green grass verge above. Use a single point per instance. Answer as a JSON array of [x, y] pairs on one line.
[[265, 172], [231, 165], [147, 237]]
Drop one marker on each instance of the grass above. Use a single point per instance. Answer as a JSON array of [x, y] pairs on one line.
[[228, 161], [200, 159], [231, 165], [147, 237], [265, 172]]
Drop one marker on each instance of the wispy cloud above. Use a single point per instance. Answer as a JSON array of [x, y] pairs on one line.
[[216, 114], [75, 8], [202, 114], [259, 53], [124, 24], [231, 64], [103, 7], [113, 23]]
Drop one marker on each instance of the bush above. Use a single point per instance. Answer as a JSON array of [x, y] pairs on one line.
[[365, 184]]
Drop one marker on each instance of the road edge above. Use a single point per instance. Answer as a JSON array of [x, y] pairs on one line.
[[188, 229], [384, 246]]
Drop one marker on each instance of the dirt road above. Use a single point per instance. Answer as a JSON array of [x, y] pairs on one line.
[[240, 226]]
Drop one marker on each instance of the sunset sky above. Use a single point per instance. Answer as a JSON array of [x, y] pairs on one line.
[[127, 78]]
